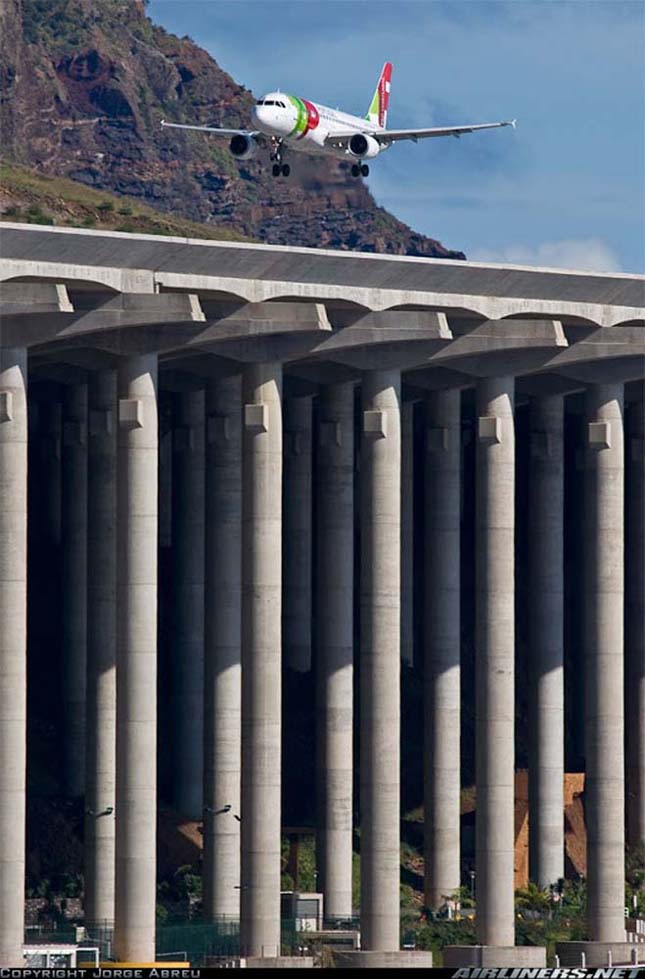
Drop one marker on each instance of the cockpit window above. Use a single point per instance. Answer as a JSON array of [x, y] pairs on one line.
[[271, 102]]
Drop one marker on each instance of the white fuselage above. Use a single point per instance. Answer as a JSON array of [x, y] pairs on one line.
[[305, 125]]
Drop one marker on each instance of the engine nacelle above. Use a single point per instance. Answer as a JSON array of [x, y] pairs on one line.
[[243, 147], [363, 147]]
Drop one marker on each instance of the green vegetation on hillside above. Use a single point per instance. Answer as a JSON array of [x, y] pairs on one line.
[[31, 197]]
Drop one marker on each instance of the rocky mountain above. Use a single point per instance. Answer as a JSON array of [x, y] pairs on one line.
[[84, 85]]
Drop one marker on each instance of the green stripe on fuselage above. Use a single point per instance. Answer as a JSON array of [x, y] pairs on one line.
[[301, 118]]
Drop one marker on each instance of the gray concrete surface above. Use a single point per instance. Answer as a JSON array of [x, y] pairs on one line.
[[442, 671], [297, 536], [13, 649], [261, 658], [407, 533], [380, 658], [222, 652], [260, 272], [187, 685], [334, 648], [635, 620], [597, 954], [100, 761], [495, 662], [546, 640], [136, 736], [603, 639], [360, 959], [74, 585], [494, 956]]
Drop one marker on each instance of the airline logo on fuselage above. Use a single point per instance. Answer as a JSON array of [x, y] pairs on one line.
[[307, 117]]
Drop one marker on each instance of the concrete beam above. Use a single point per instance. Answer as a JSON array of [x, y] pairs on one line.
[[502, 347], [257, 273]]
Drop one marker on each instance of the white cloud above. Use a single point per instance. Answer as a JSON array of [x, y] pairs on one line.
[[588, 254]]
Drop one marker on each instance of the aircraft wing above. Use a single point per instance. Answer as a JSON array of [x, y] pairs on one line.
[[211, 129], [394, 135]]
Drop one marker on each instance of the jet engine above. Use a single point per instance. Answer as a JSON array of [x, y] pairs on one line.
[[243, 147], [363, 147]]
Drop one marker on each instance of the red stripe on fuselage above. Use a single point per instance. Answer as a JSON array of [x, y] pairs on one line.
[[313, 117]]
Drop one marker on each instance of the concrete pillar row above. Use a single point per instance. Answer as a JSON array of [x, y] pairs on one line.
[[334, 648], [603, 648], [222, 650], [13, 650], [74, 585], [187, 670], [495, 661], [442, 672], [261, 658], [297, 535], [380, 658], [407, 533], [635, 622], [100, 762], [546, 640], [136, 739]]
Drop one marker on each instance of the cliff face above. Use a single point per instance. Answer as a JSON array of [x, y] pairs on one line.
[[83, 87]]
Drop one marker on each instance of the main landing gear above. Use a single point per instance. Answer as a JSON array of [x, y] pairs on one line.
[[279, 169], [360, 170]]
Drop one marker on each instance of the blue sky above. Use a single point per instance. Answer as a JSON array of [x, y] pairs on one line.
[[565, 189]]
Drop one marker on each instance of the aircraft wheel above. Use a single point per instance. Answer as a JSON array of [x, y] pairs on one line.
[[276, 169], [356, 170], [365, 170], [286, 169]]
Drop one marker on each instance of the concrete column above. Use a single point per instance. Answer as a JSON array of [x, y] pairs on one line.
[[222, 651], [442, 646], [74, 585], [546, 641], [296, 598], [136, 737], [495, 655], [187, 696], [635, 623], [380, 659], [13, 650], [100, 762], [261, 658], [603, 642], [334, 652], [407, 533]]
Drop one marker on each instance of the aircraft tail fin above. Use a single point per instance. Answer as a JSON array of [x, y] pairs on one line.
[[377, 112]]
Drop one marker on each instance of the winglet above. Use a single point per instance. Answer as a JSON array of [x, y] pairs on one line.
[[163, 122], [514, 123]]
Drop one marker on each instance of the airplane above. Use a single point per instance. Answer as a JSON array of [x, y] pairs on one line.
[[284, 122]]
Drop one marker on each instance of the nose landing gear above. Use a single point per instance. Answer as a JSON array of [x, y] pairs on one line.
[[279, 168], [360, 170]]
